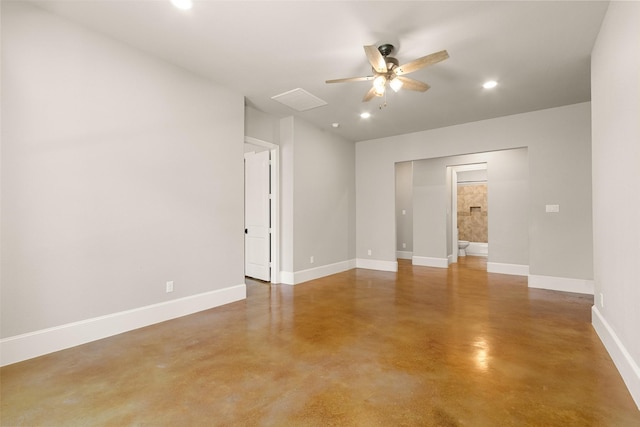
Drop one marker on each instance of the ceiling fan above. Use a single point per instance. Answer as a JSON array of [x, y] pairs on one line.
[[386, 69]]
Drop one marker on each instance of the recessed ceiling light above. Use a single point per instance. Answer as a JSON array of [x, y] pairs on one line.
[[365, 115], [490, 84], [182, 4]]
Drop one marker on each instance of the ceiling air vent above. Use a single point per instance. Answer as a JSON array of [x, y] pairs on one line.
[[299, 99]]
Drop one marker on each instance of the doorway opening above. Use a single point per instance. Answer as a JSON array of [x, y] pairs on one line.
[[262, 213], [469, 211]]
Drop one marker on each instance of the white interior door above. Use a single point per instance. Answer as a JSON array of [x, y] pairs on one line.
[[257, 243]]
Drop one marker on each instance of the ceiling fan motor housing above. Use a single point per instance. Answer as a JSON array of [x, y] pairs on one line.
[[391, 62], [385, 49]]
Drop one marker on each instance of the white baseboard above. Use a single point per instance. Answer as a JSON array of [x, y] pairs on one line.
[[513, 269], [628, 368], [476, 253], [376, 264], [404, 254], [426, 261], [294, 278], [33, 344], [563, 284], [287, 277], [477, 249]]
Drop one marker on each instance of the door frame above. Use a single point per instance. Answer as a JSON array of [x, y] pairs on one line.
[[453, 258], [274, 226]]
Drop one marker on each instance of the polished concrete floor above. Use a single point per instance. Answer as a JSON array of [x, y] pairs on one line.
[[423, 347]]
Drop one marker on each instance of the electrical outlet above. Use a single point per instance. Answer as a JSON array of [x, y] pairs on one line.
[[601, 300], [404, 246], [311, 259], [369, 252], [169, 286]]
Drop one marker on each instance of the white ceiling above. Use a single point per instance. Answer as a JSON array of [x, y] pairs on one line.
[[538, 51]]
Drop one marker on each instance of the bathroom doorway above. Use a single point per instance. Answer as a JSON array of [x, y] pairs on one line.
[[469, 211]]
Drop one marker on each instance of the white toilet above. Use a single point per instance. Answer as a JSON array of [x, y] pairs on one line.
[[462, 245]]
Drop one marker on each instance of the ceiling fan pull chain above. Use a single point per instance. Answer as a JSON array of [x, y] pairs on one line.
[[385, 101]]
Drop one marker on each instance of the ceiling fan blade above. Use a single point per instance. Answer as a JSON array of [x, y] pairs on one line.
[[376, 59], [414, 65], [369, 95], [351, 79], [413, 84]]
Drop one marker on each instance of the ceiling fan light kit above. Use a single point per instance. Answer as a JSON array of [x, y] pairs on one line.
[[386, 69], [378, 83], [396, 84]]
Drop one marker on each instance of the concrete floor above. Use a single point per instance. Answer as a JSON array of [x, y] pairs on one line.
[[423, 347]]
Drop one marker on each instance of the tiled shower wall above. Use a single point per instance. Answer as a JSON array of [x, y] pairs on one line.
[[472, 213]]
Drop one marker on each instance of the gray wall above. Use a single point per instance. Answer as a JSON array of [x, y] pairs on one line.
[[404, 202], [318, 197], [260, 125], [430, 208], [558, 142], [119, 172], [507, 172], [615, 92]]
